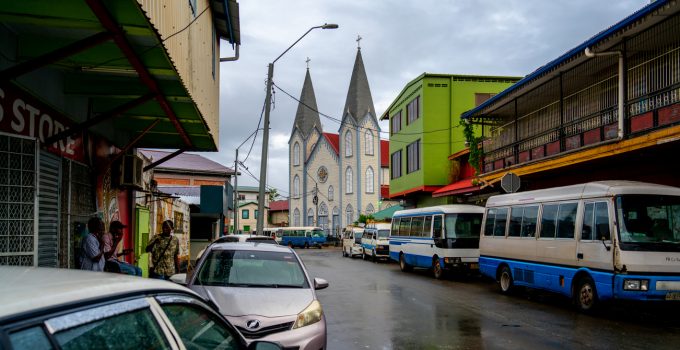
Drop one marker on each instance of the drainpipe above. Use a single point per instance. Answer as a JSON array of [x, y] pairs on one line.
[[622, 79], [235, 58]]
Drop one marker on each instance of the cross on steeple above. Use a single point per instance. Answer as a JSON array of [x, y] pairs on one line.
[[359, 41], [308, 60]]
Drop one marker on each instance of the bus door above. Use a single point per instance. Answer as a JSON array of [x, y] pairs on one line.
[[595, 244], [438, 234]]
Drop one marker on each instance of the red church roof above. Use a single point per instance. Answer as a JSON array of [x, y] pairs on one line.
[[334, 140]]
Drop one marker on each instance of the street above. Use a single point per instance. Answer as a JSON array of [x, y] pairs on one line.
[[376, 306]]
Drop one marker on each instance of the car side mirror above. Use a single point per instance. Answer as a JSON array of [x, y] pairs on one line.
[[320, 283], [264, 345], [180, 278]]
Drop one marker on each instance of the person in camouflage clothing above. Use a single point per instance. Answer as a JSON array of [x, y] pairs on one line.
[[164, 249]]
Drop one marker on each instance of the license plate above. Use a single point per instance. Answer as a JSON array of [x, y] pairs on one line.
[[673, 296], [474, 266]]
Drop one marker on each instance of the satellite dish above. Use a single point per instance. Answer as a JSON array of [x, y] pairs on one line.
[[510, 183]]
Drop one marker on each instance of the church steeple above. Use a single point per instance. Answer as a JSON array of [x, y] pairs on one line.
[[307, 115], [359, 100]]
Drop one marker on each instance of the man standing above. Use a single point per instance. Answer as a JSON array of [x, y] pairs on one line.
[[93, 246], [164, 249]]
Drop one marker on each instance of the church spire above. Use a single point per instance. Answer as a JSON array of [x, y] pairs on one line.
[[307, 115], [359, 100]]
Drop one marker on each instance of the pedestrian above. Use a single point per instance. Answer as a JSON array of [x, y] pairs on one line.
[[111, 241], [92, 252], [164, 249]]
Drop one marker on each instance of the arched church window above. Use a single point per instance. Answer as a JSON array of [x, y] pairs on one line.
[[296, 154], [370, 210], [348, 144], [331, 193], [296, 217], [349, 214], [368, 140], [296, 187], [369, 180], [348, 181]]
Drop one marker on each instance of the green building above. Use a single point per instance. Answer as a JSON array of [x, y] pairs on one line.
[[424, 131]]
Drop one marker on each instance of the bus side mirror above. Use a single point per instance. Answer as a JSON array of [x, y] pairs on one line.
[[605, 244]]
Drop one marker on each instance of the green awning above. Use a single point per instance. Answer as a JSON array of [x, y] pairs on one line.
[[103, 74], [387, 213]]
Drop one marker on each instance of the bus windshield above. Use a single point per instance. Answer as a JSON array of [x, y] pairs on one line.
[[463, 225], [318, 233], [649, 222], [383, 233]]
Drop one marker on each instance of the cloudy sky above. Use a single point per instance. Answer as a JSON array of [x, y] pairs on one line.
[[401, 40]]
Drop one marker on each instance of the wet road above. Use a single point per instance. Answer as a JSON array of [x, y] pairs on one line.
[[376, 306]]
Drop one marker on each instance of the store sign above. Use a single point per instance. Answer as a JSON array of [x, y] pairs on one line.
[[23, 114]]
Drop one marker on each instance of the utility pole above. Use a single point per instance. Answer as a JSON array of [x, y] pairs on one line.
[[236, 193], [315, 200]]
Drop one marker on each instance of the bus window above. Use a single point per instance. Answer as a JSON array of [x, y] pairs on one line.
[[548, 220], [602, 221], [529, 221], [405, 227], [463, 225], [501, 219], [515, 227], [427, 226], [437, 226], [490, 219], [588, 216], [395, 227], [417, 226], [566, 219]]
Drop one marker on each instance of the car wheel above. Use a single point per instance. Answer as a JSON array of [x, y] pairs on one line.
[[437, 269], [402, 263], [585, 294], [505, 280]]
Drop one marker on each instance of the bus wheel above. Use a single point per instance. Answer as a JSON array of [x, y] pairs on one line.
[[306, 245], [290, 244], [505, 280], [585, 294], [344, 254], [373, 256], [402, 263], [437, 270]]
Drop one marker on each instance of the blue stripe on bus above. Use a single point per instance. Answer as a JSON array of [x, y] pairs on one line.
[[546, 276]]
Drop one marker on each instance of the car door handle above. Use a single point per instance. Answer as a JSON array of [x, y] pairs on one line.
[[579, 256]]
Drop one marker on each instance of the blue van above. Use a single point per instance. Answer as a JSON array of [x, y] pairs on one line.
[[304, 236]]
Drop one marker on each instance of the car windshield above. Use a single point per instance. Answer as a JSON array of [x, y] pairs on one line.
[[649, 220], [251, 268], [383, 233], [318, 233], [463, 225]]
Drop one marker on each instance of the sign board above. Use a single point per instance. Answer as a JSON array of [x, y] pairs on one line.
[[510, 183], [23, 114]]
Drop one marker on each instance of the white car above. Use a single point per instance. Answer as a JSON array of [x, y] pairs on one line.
[[351, 241], [240, 238], [265, 291], [48, 308]]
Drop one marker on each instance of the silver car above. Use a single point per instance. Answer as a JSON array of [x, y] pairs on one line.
[[265, 291]]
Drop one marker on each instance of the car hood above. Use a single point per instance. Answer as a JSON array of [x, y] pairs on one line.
[[267, 302]]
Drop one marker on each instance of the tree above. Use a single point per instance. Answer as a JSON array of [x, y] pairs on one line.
[[363, 219], [273, 194]]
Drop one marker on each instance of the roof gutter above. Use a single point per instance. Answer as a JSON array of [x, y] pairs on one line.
[[622, 80]]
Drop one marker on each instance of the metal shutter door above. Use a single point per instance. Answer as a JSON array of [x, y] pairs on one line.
[[48, 209]]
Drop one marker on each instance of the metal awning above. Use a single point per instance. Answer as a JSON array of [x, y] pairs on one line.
[[108, 54], [458, 187]]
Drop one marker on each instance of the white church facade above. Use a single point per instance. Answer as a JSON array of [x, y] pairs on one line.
[[334, 178]]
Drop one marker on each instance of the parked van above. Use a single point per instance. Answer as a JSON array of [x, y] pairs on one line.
[[351, 241], [303, 236], [375, 242]]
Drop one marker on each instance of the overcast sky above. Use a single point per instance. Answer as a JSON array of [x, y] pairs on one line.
[[401, 40]]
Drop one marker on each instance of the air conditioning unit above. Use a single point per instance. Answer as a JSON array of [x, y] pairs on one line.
[[131, 170]]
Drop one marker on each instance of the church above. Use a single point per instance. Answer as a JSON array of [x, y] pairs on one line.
[[335, 177]]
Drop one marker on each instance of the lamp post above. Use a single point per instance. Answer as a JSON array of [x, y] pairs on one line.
[[265, 133]]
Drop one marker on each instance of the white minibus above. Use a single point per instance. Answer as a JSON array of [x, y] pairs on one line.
[[590, 242], [441, 238], [375, 242]]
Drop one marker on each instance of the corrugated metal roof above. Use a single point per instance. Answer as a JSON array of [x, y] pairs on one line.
[[578, 50], [278, 205], [187, 162]]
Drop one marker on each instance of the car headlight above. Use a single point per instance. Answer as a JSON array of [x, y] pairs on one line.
[[642, 285], [312, 314]]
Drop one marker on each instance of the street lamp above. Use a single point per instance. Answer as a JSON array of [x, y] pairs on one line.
[[265, 134]]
